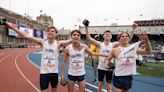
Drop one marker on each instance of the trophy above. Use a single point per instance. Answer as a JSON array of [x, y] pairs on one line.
[[111, 65], [86, 22], [63, 82]]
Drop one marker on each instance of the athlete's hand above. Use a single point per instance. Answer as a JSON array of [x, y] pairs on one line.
[[62, 77], [143, 37], [104, 55], [9, 25], [63, 81]]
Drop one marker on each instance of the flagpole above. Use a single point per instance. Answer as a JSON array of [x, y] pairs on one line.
[[9, 4], [28, 7]]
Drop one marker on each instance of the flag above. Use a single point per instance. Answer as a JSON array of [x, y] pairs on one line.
[[78, 20], [105, 19], [62, 28], [141, 14]]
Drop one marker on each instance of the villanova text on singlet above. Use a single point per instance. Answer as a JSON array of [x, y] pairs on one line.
[[49, 60], [126, 61], [76, 61], [105, 50]]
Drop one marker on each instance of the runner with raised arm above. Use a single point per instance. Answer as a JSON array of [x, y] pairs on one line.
[[105, 47]]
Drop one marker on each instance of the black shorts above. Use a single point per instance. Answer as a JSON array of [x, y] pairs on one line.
[[107, 74], [122, 82], [46, 78], [76, 78]]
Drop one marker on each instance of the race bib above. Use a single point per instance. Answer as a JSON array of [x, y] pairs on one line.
[[49, 62], [127, 61], [77, 63]]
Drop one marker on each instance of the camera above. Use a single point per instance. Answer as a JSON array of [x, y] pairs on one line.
[[2, 21], [111, 65], [63, 82], [86, 22]]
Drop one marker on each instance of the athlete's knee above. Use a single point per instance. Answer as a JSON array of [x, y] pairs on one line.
[[100, 84], [108, 87]]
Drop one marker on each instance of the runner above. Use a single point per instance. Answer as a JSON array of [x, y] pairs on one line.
[[49, 60], [105, 47], [76, 70], [125, 59]]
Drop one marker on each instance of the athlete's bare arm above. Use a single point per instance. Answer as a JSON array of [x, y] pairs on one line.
[[25, 35], [93, 53], [66, 54], [148, 48], [90, 39], [64, 43]]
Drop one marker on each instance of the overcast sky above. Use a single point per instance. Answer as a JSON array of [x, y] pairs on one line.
[[68, 13]]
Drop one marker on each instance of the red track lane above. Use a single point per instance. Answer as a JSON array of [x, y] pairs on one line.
[[19, 75]]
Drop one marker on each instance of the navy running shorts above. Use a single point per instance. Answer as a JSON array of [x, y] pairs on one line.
[[46, 78], [76, 78], [122, 82], [104, 73]]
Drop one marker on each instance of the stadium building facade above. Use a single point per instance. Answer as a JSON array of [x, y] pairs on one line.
[[154, 29], [9, 38]]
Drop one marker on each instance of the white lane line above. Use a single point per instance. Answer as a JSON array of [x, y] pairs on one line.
[[94, 86], [77, 87], [59, 77], [87, 90], [25, 76], [37, 66], [38, 52], [6, 57], [104, 90]]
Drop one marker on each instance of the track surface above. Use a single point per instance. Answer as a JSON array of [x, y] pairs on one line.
[[17, 74]]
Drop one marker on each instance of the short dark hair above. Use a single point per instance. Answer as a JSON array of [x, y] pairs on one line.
[[119, 36], [107, 31], [53, 28], [76, 31]]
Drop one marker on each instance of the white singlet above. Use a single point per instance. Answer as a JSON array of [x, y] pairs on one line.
[[76, 61], [49, 61], [126, 61], [104, 50]]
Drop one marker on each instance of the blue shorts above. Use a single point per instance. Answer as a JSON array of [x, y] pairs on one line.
[[122, 82], [46, 78], [76, 78], [107, 74]]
